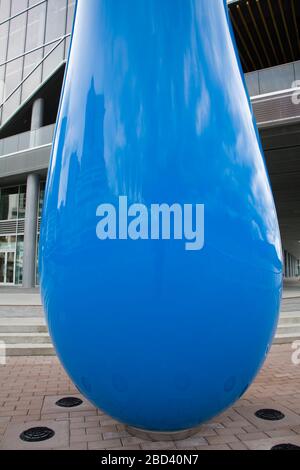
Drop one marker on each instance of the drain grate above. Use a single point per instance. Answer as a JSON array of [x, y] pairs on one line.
[[269, 415], [286, 447], [37, 434], [69, 402]]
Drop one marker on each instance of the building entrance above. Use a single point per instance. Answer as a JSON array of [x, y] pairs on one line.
[[7, 267]]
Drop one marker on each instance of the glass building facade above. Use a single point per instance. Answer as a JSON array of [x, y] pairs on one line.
[[34, 44], [34, 41], [12, 223]]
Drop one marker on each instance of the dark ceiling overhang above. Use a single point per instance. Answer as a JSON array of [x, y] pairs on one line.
[[50, 91], [267, 32]]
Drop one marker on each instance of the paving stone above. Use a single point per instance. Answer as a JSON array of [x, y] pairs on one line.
[[238, 446], [82, 446], [267, 444], [191, 442], [253, 436], [108, 444], [51, 407], [215, 447], [248, 412], [280, 432], [159, 445], [222, 439], [12, 441], [31, 385]]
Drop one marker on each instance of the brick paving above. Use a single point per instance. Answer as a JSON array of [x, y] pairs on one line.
[[30, 387]]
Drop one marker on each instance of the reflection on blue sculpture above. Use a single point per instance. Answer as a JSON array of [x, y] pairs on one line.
[[154, 111]]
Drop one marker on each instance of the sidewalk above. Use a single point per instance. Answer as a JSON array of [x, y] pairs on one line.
[[31, 297], [291, 288], [16, 296], [30, 387]]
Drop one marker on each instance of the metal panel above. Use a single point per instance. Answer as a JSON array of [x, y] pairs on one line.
[[276, 109], [25, 162]]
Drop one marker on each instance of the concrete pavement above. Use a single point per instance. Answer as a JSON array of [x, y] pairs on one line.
[[10, 296]]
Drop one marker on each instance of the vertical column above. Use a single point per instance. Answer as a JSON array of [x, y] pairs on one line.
[[285, 263], [37, 116], [32, 200], [31, 216], [288, 264], [294, 267]]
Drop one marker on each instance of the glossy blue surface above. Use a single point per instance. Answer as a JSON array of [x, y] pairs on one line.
[[154, 108]]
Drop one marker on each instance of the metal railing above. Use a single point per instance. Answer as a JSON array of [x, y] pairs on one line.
[[27, 140], [270, 80]]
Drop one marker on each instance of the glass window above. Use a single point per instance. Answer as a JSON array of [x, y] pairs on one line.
[[2, 267], [11, 106], [53, 60], [3, 41], [19, 260], [2, 83], [4, 15], [56, 19], [10, 267], [12, 80], [16, 36], [2, 93], [35, 27], [9, 203], [34, 80], [55, 29], [4, 10], [68, 43], [22, 202], [71, 11], [41, 200], [37, 274], [18, 5], [7, 243], [12, 206], [7, 266], [70, 18], [35, 36], [13, 75]]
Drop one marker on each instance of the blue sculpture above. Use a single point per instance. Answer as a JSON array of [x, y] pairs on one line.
[[160, 253]]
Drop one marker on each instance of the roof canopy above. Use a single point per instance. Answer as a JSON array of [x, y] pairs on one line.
[[267, 32]]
